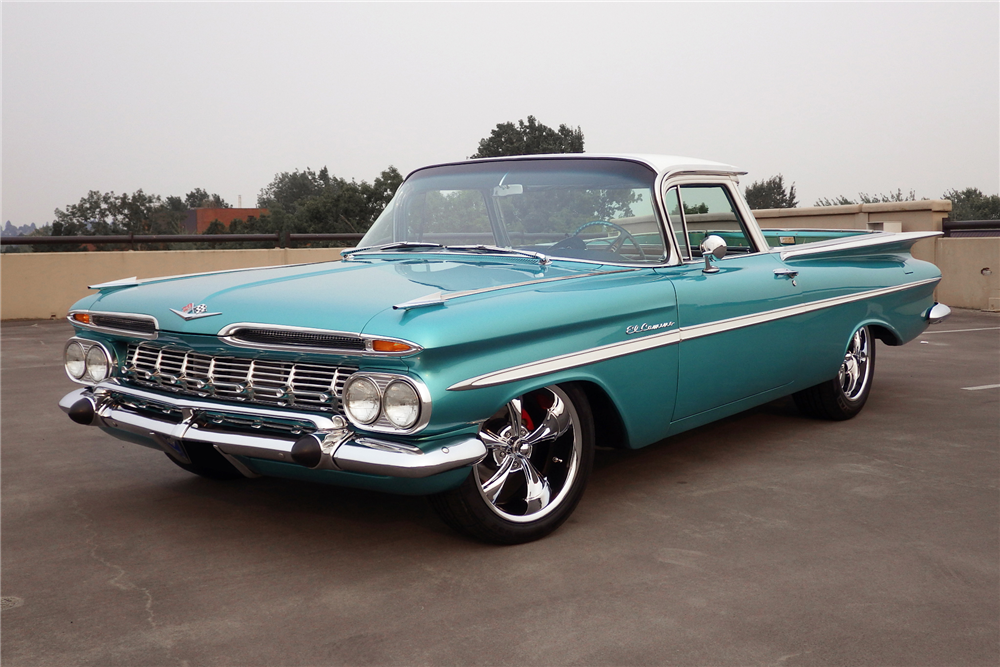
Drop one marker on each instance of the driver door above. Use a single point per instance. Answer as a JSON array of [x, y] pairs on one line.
[[725, 356]]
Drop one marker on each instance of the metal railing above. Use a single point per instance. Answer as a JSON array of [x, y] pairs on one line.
[[970, 228], [279, 240]]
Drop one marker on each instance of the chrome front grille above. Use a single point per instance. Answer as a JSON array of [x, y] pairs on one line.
[[265, 381]]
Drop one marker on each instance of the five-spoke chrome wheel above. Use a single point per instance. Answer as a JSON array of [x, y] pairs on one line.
[[539, 453], [533, 446]]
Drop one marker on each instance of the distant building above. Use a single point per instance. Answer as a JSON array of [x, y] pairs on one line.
[[198, 219]]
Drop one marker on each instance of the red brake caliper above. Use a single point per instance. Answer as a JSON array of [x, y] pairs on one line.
[[528, 423]]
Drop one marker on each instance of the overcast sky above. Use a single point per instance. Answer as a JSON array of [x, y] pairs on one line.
[[840, 98]]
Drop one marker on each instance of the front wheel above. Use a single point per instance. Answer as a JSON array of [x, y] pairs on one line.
[[540, 449], [843, 396]]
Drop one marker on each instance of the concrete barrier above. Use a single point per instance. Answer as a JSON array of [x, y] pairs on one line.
[[925, 215], [970, 272], [44, 285]]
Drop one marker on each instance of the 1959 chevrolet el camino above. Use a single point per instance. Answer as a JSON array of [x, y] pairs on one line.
[[500, 319]]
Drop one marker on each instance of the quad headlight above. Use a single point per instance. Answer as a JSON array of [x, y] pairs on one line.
[[385, 402], [87, 361], [75, 358], [362, 400], [98, 363], [401, 404]]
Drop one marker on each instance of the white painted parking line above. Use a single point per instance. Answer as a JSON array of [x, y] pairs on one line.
[[960, 330], [985, 386]]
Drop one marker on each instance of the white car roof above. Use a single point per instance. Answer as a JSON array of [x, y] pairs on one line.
[[659, 163]]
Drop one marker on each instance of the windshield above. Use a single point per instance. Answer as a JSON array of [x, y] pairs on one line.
[[592, 209]]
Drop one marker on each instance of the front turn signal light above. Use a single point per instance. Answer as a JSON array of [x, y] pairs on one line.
[[390, 346], [83, 318]]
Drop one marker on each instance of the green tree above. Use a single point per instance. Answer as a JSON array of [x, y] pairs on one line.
[[529, 138], [771, 193], [199, 198], [109, 213], [311, 202], [287, 189], [972, 204], [865, 198]]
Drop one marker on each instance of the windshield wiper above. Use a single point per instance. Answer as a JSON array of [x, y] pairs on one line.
[[542, 259], [398, 245]]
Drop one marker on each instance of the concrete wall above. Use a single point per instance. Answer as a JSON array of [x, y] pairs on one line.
[[970, 271], [914, 216], [45, 284]]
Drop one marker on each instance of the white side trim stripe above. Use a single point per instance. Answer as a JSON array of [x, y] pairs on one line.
[[709, 328], [605, 352]]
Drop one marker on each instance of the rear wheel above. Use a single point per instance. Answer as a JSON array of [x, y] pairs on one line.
[[540, 449], [843, 396]]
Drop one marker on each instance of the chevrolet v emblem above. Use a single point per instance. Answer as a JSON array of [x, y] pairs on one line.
[[193, 312]]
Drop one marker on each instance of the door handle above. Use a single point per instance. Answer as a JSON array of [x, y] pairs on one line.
[[787, 273]]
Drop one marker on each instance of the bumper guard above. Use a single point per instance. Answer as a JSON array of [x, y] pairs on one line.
[[315, 441]]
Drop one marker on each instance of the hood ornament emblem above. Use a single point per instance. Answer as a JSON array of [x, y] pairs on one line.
[[193, 312]]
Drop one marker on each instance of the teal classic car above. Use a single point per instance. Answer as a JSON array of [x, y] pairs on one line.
[[500, 320]]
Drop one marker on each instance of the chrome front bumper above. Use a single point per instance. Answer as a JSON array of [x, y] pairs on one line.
[[316, 441]]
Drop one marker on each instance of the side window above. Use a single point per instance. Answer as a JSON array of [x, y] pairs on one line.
[[676, 222], [709, 209]]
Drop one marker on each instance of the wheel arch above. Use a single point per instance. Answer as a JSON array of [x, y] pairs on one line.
[[609, 428], [609, 425], [883, 332]]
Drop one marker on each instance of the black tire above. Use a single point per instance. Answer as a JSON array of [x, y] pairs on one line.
[[529, 483], [843, 397], [207, 462]]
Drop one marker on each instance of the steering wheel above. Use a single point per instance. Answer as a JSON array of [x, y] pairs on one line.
[[576, 243]]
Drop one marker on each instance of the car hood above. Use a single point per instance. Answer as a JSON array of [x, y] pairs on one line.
[[340, 296]]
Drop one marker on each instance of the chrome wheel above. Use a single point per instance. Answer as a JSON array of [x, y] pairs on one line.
[[843, 396], [540, 449], [855, 371], [533, 446]]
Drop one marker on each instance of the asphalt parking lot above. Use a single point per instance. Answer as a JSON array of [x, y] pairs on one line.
[[764, 539]]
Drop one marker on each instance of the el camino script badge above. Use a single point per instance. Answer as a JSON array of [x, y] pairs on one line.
[[642, 328], [193, 312]]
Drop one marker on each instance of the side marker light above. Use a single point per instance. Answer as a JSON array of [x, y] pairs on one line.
[[390, 346]]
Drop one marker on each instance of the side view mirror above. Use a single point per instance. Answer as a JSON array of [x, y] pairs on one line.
[[712, 247]]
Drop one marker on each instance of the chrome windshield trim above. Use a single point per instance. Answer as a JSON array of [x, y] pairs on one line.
[[110, 330], [226, 335], [554, 258], [866, 240], [439, 298], [605, 352], [497, 250]]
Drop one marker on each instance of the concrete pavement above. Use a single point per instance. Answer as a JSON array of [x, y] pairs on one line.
[[764, 539]]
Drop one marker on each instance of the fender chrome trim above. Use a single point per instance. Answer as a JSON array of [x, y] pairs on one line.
[[438, 298], [571, 360], [593, 355]]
